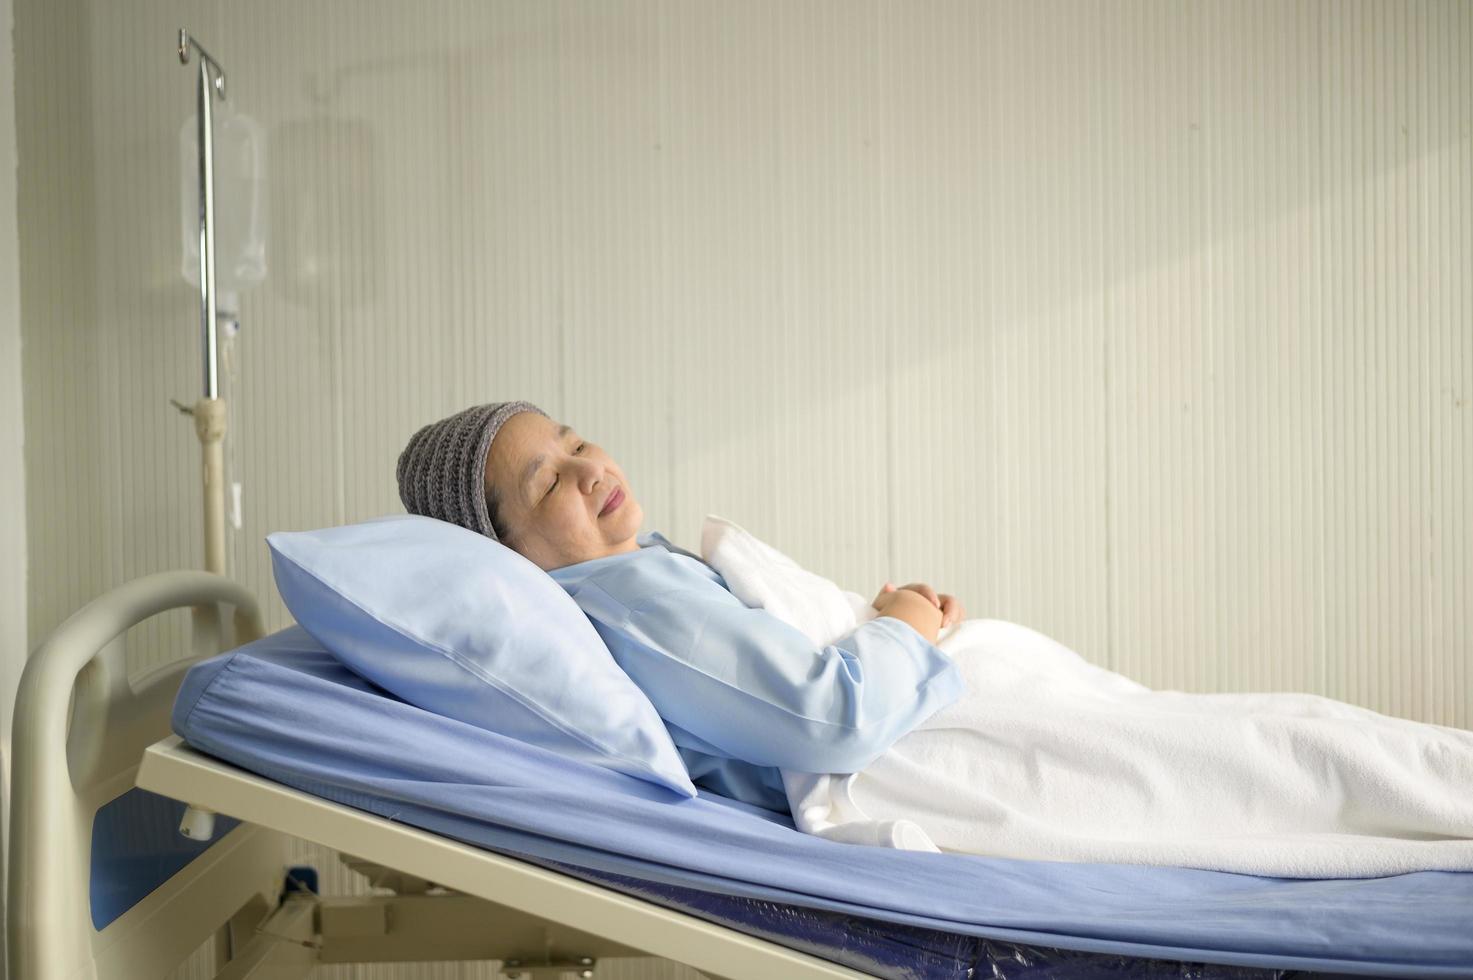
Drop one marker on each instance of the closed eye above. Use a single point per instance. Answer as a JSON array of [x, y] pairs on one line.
[[555, 479]]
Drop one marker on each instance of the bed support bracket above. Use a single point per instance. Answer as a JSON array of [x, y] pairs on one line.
[[450, 926], [280, 946], [548, 969]]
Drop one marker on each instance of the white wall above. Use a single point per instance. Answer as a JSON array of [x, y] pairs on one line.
[[1146, 324], [13, 640]]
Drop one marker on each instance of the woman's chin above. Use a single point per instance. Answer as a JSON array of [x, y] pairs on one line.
[[627, 514]]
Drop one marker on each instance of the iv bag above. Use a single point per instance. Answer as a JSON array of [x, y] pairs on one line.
[[240, 203]]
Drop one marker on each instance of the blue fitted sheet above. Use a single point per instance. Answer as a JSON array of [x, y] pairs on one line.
[[284, 708]]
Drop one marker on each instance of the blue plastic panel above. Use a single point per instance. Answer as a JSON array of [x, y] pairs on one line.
[[136, 847]]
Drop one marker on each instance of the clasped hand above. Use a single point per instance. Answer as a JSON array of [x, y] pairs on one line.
[[949, 606]]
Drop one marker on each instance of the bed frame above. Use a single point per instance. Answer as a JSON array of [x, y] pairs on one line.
[[85, 736]]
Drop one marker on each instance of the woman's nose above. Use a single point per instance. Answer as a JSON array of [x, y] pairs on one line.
[[593, 475]]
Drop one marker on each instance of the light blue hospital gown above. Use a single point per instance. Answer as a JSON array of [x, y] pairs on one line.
[[742, 692]]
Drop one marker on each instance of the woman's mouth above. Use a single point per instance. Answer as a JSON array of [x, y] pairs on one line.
[[615, 499]]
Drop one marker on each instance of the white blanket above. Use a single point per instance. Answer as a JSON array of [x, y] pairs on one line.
[[1049, 757]]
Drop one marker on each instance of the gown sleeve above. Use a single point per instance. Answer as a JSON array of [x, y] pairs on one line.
[[759, 690]]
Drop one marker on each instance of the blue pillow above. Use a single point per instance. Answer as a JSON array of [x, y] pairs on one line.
[[461, 625]]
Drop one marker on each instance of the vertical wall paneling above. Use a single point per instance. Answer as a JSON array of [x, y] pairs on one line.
[[936, 116], [826, 369], [1376, 460], [1161, 409], [69, 550], [1262, 136], [1047, 319], [722, 263], [1444, 154]]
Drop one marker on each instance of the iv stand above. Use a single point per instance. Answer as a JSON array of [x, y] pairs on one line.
[[209, 411]]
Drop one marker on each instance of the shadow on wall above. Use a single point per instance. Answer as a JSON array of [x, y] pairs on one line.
[[333, 246], [327, 171], [326, 203]]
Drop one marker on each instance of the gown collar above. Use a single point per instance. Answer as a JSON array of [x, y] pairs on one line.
[[578, 571]]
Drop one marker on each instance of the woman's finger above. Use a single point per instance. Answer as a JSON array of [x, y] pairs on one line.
[[926, 591]]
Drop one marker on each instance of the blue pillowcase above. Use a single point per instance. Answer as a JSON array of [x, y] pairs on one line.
[[461, 625]]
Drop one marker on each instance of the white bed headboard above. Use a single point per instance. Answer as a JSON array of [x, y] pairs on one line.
[[66, 918]]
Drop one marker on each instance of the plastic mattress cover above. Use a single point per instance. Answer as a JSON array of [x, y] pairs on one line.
[[898, 952], [284, 708]]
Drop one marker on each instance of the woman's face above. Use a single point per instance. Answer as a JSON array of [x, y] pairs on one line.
[[551, 486]]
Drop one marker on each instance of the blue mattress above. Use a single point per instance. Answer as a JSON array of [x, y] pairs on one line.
[[282, 707]]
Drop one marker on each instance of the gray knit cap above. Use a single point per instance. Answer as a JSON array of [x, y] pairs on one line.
[[442, 472]]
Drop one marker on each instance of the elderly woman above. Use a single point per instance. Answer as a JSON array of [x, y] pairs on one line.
[[1046, 757], [756, 695]]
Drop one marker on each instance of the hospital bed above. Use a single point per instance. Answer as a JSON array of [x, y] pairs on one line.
[[130, 846]]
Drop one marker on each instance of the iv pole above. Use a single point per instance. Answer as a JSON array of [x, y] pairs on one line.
[[209, 411]]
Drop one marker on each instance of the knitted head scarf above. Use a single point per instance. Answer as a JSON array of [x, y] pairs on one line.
[[442, 472]]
